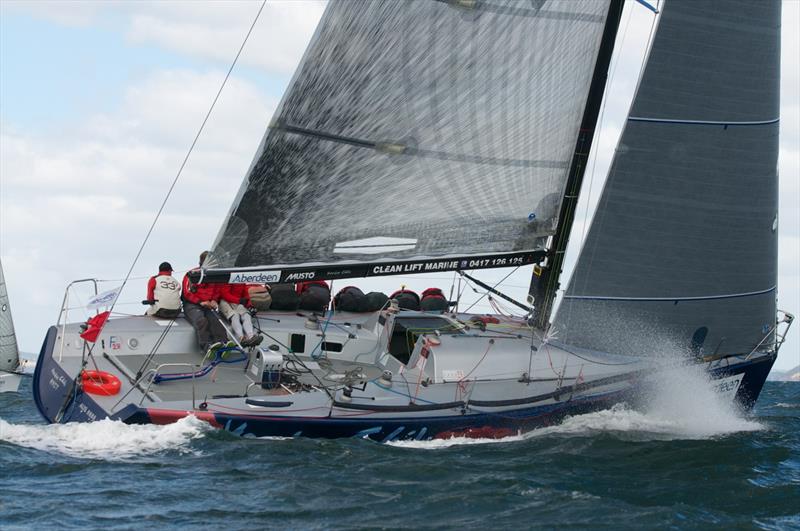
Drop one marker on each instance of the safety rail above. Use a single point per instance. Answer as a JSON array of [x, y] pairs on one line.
[[156, 371], [780, 337], [64, 312]]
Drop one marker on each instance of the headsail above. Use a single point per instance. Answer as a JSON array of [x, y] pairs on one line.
[[9, 355], [683, 246], [424, 129]]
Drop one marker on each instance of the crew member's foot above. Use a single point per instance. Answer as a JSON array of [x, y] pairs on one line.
[[213, 348], [256, 340]]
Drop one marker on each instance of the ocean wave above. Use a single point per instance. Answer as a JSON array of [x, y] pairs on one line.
[[107, 440]]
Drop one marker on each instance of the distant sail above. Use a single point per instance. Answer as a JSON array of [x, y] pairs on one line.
[[683, 246], [9, 355], [446, 126]]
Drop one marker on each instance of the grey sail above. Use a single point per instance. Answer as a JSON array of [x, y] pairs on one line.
[[9, 355], [683, 245], [420, 129]]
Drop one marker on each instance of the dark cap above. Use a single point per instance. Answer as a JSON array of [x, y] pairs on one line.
[[165, 266]]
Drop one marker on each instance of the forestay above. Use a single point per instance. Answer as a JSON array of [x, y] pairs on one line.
[[9, 355], [419, 129], [683, 246]]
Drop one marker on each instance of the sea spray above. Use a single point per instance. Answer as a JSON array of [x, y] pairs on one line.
[[683, 394], [108, 440]]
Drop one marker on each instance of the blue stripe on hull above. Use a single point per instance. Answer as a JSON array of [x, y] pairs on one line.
[[417, 428]]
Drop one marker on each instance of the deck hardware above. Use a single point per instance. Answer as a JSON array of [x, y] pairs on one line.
[[347, 394]]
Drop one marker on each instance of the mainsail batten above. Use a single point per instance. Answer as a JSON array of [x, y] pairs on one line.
[[451, 124], [684, 241]]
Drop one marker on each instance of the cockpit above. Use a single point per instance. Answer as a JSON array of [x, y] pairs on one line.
[[408, 328]]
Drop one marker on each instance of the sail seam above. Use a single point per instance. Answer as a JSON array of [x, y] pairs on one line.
[[699, 122], [658, 299]]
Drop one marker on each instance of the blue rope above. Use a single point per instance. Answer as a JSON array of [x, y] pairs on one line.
[[158, 378], [648, 6], [322, 339]]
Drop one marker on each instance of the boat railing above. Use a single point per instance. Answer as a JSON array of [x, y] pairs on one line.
[[780, 335], [152, 373], [782, 318], [64, 312]]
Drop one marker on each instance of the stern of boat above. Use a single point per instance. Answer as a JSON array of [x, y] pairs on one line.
[[55, 391]]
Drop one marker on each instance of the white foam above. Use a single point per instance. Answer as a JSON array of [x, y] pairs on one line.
[[106, 439], [684, 396], [681, 403], [784, 404], [438, 444]]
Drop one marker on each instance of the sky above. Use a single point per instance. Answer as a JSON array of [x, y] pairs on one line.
[[99, 102]]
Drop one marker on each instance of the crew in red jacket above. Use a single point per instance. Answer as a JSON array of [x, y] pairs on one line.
[[200, 308], [234, 304]]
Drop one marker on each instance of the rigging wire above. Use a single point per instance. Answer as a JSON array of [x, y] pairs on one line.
[[493, 287], [598, 208], [646, 54], [89, 354], [593, 173], [189, 152]]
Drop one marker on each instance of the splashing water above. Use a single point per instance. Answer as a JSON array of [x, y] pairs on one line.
[[681, 402], [684, 396], [106, 439]]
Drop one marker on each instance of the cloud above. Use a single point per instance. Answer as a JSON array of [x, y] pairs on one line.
[[204, 30], [211, 30], [73, 13], [79, 205]]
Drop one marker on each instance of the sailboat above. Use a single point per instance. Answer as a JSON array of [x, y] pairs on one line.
[[10, 369], [453, 135]]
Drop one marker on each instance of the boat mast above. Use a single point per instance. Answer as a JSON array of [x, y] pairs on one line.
[[545, 278]]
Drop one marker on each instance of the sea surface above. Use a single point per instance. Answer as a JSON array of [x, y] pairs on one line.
[[692, 465]]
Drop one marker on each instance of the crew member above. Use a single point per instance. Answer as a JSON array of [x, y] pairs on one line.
[[200, 305], [164, 293], [234, 303]]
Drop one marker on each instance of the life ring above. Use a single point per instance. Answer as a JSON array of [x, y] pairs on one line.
[[100, 383]]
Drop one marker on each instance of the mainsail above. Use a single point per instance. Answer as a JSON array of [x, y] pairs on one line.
[[683, 245], [9, 355], [420, 129]]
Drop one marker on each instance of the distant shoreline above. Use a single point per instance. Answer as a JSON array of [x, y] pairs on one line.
[[792, 375]]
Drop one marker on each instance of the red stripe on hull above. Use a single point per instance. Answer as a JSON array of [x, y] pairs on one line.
[[168, 416]]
